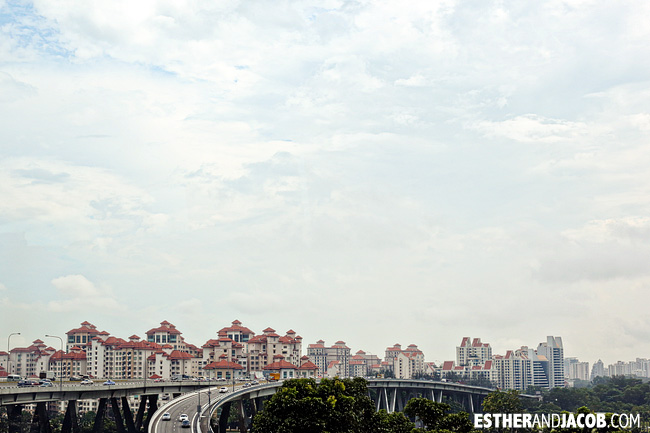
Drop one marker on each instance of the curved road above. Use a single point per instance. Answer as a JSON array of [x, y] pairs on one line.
[[187, 404]]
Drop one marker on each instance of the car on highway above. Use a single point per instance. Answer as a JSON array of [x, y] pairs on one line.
[[45, 383], [28, 382], [86, 382], [185, 423], [183, 417], [167, 416], [109, 382], [223, 389]]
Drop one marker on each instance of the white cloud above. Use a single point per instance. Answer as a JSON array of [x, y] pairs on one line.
[[78, 295], [292, 154], [531, 128]]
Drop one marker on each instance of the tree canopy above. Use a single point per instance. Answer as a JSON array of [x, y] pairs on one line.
[[332, 406]]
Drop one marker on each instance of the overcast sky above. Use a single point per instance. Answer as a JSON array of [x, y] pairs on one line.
[[368, 171]]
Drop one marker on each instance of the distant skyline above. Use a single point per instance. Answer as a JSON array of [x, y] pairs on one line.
[[376, 172], [22, 341]]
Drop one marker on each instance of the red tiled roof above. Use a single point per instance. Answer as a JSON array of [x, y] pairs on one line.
[[177, 354], [269, 330], [279, 365], [223, 365], [308, 366], [291, 332], [165, 326], [134, 337], [332, 364], [86, 328], [58, 355], [316, 346], [447, 365]]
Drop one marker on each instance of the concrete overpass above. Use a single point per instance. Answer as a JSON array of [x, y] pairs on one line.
[[389, 394], [113, 396]]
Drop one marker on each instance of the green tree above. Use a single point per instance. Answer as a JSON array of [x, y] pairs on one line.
[[332, 406], [436, 417], [503, 402]]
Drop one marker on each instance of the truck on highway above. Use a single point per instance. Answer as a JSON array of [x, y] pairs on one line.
[[273, 377], [47, 375]]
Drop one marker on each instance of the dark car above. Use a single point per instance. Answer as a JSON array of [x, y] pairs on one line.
[[185, 423]]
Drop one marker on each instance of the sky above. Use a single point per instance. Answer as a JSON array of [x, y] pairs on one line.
[[376, 172]]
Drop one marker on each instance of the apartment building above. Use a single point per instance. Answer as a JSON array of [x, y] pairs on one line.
[[396, 360], [323, 356], [73, 363], [30, 361], [81, 336], [553, 350], [473, 352]]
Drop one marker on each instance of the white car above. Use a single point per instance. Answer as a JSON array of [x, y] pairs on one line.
[[86, 382], [183, 417], [166, 416], [223, 389]]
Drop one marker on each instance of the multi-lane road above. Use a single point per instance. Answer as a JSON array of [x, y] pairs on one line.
[[195, 405]]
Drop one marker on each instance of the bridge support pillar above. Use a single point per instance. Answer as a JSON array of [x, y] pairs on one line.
[[223, 417], [242, 416], [140, 415], [153, 407], [99, 417], [470, 402], [14, 413], [70, 420], [40, 421], [128, 416], [119, 422]]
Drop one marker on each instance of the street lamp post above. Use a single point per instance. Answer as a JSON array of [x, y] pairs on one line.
[[9, 349], [61, 365]]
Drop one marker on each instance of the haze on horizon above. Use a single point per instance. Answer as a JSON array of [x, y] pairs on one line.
[[374, 172]]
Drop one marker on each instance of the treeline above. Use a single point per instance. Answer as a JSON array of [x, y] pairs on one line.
[[616, 395]]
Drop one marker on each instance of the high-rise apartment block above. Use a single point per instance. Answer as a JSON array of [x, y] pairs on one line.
[[473, 352]]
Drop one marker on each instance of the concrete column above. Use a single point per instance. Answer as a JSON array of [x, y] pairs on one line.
[[140, 415], [40, 421], [242, 416], [14, 413], [70, 421], [99, 417], [119, 422], [223, 418], [392, 402], [153, 407], [128, 416]]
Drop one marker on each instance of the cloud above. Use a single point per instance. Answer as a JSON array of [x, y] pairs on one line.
[[78, 294], [600, 250], [2, 287], [531, 128]]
